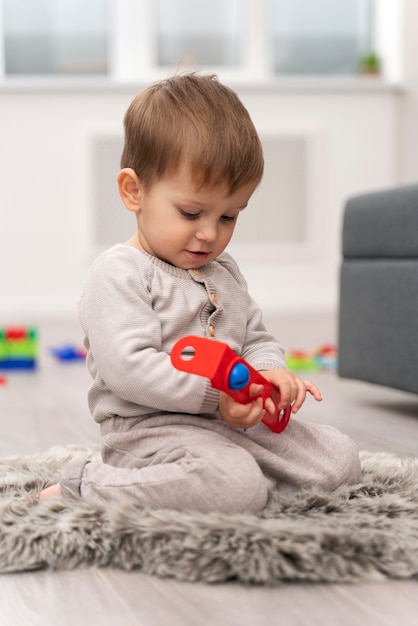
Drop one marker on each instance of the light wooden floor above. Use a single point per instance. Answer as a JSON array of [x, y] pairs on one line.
[[49, 408]]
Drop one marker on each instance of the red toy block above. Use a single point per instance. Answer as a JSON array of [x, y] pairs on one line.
[[15, 332]]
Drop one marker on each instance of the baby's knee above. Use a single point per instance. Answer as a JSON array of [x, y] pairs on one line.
[[240, 487], [352, 466], [344, 461]]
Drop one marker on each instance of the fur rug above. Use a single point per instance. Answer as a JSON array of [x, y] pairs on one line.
[[365, 532]]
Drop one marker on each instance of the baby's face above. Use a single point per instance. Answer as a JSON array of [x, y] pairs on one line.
[[186, 226]]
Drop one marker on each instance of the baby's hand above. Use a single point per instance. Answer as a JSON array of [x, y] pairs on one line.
[[240, 415], [292, 390]]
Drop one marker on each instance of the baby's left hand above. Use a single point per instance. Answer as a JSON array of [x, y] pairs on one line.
[[292, 390]]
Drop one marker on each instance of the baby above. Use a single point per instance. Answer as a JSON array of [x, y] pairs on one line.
[[191, 162]]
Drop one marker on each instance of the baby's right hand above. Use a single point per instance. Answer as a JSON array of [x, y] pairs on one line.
[[240, 415]]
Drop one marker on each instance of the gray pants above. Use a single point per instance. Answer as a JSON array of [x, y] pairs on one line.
[[187, 462]]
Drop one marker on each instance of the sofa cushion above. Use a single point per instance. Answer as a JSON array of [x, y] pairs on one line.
[[378, 322]]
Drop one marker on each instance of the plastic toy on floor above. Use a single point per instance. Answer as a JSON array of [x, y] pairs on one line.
[[228, 373], [321, 358], [68, 352], [18, 348]]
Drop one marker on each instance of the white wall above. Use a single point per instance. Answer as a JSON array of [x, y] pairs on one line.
[[45, 193]]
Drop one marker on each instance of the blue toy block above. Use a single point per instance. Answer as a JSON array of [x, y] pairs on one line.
[[68, 352]]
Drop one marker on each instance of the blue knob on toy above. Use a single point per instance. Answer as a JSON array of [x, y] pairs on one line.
[[239, 376]]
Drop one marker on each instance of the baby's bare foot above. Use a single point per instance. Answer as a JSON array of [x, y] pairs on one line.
[[54, 491]]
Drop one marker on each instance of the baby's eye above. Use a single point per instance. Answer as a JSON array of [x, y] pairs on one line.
[[228, 218], [188, 215]]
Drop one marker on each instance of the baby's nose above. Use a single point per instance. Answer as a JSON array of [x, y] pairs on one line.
[[208, 232]]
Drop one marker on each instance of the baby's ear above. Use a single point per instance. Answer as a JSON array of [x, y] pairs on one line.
[[129, 189]]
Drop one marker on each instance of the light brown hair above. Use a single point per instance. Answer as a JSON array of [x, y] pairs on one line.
[[196, 121]]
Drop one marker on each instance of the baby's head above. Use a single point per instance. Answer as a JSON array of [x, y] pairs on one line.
[[192, 120], [191, 161]]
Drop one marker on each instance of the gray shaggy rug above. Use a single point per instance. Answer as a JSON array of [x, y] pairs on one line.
[[363, 532]]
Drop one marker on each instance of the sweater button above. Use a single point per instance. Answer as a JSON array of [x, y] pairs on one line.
[[214, 298], [211, 330]]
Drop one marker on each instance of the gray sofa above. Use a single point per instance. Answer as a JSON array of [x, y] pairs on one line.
[[378, 312]]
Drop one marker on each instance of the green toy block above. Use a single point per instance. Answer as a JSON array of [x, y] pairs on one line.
[[301, 364]]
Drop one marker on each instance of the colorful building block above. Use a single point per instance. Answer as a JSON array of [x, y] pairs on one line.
[[299, 361], [18, 348], [323, 357]]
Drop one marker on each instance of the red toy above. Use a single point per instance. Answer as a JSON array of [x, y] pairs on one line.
[[227, 372]]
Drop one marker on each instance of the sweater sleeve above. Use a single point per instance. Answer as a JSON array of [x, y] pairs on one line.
[[124, 340]]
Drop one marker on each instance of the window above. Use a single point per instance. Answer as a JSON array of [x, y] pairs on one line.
[[145, 39], [319, 36], [204, 33]]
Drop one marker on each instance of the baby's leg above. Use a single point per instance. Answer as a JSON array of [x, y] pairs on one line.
[[305, 455], [180, 467]]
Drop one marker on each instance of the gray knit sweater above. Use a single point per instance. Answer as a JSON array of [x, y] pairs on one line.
[[134, 307]]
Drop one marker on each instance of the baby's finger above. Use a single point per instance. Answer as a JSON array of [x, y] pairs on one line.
[[255, 390], [247, 415], [288, 391], [313, 390], [256, 414], [300, 398], [270, 406]]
